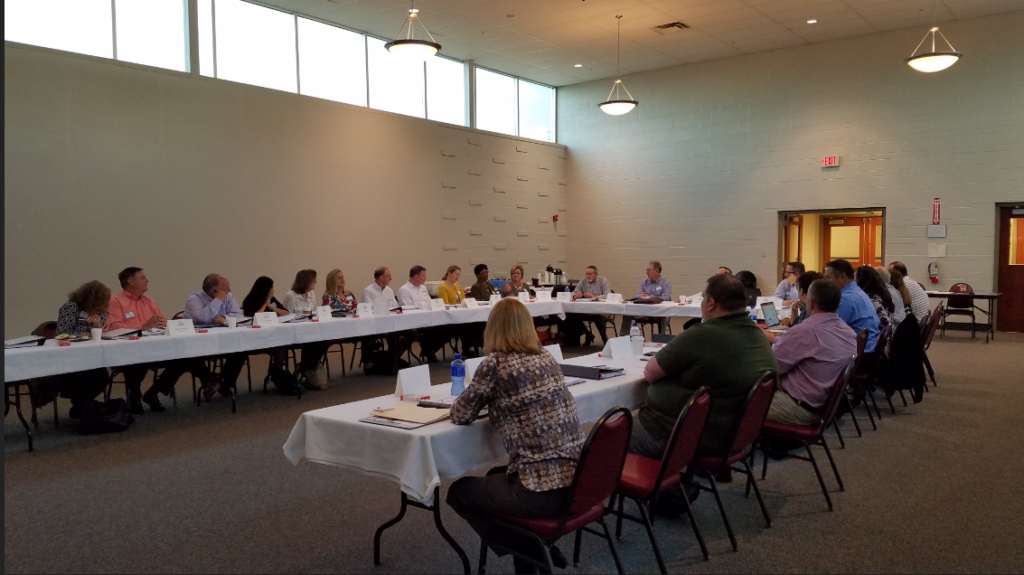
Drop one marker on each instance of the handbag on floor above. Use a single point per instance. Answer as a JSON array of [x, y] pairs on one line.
[[316, 379], [105, 417]]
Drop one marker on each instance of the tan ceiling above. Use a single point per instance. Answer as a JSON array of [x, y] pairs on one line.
[[546, 38]]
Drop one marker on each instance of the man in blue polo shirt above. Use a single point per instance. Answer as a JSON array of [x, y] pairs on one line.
[[855, 308], [654, 289]]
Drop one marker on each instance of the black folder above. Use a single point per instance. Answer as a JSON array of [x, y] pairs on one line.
[[587, 372]]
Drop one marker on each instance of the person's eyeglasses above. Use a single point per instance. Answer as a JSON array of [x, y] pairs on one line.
[[792, 273]]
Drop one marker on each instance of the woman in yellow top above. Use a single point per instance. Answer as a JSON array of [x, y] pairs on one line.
[[450, 291]]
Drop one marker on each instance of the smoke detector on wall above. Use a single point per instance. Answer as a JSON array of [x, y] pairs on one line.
[[670, 28]]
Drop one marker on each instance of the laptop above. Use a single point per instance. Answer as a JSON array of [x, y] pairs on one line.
[[771, 317]]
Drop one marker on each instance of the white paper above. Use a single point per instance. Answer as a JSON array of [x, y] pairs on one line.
[[618, 348], [564, 296], [323, 313], [364, 309], [470, 302], [437, 304], [265, 319], [180, 327], [423, 305], [544, 295], [381, 308], [413, 381], [524, 297], [614, 298], [471, 365], [555, 351], [495, 298]]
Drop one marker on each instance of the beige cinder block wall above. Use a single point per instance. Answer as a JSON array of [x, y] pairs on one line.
[[108, 165], [696, 176]]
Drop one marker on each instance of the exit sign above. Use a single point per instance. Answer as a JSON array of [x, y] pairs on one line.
[[830, 161]]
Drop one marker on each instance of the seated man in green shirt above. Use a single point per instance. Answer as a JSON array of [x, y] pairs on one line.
[[727, 352]]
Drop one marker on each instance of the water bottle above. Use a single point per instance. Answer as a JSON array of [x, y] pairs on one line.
[[636, 340], [458, 375], [753, 313]]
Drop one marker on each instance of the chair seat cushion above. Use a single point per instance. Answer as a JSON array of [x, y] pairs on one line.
[[549, 527], [715, 463], [639, 474], [802, 432]]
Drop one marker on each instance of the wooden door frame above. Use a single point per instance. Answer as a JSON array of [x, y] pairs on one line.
[[783, 218], [995, 260]]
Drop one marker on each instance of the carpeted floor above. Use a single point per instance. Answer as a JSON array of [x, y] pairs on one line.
[[936, 489]]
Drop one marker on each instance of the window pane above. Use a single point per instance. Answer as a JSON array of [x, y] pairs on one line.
[[396, 83], [255, 45], [446, 91], [495, 102], [82, 26], [332, 63], [205, 15], [536, 111], [151, 32]]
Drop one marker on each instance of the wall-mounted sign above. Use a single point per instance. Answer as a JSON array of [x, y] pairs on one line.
[[937, 231], [830, 162], [936, 211]]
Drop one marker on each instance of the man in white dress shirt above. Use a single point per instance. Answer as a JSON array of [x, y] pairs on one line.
[[378, 291], [413, 292]]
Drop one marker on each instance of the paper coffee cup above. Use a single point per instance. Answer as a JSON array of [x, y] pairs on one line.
[[232, 321], [97, 334]]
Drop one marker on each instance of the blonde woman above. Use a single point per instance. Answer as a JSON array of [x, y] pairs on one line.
[[450, 291], [522, 387], [335, 294], [515, 284]]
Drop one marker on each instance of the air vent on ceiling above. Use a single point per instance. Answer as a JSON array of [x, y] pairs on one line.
[[670, 28]]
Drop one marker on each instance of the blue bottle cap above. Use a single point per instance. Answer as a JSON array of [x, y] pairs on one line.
[[458, 356]]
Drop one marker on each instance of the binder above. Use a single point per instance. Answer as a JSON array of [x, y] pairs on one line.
[[587, 372]]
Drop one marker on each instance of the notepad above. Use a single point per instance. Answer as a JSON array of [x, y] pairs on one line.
[[123, 333], [405, 411], [27, 341]]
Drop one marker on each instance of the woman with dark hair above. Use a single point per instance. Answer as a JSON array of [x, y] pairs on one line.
[[86, 308], [261, 299], [869, 281], [749, 281]]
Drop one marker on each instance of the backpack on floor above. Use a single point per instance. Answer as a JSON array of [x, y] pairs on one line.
[[283, 380], [105, 417], [380, 363]]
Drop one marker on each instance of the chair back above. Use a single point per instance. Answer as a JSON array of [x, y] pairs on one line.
[[960, 301], [685, 437], [601, 461], [835, 395], [179, 315], [862, 341], [884, 335], [47, 329], [933, 324], [755, 410]]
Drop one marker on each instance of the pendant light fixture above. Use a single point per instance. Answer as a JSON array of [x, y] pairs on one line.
[[935, 60], [410, 47], [615, 105]]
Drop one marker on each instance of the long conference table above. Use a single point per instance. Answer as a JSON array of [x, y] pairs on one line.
[[418, 459], [53, 359]]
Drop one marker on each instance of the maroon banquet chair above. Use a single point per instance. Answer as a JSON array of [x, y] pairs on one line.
[[644, 479], [961, 304], [809, 435], [597, 477], [741, 448], [929, 334]]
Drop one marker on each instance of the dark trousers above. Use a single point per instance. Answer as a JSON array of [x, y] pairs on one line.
[[170, 373], [575, 326], [312, 354], [83, 386], [232, 368], [476, 498]]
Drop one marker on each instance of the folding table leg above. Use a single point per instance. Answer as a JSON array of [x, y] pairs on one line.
[[390, 523], [436, 510]]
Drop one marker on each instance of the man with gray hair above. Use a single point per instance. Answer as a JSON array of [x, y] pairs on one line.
[[214, 303], [654, 289]]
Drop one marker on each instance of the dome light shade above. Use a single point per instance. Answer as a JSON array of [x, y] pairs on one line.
[[618, 107], [935, 60], [410, 47]]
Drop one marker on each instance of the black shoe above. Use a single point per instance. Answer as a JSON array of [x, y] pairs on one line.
[[75, 412], [588, 340], [136, 407], [724, 475], [666, 507], [153, 401]]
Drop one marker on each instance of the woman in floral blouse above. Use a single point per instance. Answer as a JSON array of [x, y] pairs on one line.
[[522, 386], [869, 281], [335, 294], [85, 309]]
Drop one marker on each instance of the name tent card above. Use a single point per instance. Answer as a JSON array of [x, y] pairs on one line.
[[543, 296], [381, 309], [564, 296], [323, 313], [265, 319], [555, 351], [423, 305], [471, 365], [180, 327], [618, 348], [364, 309], [437, 304], [470, 302], [614, 298], [524, 297], [495, 298], [413, 381]]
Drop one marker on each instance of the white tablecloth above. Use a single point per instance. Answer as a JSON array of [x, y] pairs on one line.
[[663, 309], [52, 359], [417, 459]]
